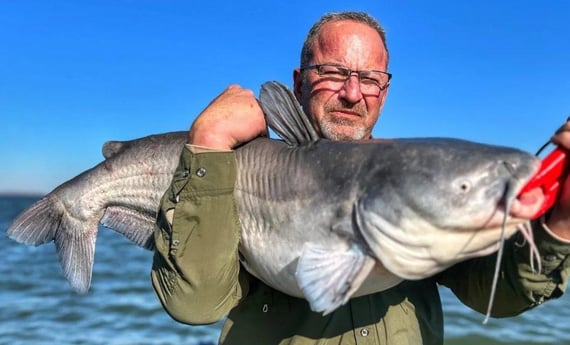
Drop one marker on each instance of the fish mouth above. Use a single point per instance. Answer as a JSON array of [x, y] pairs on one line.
[[525, 205], [514, 207]]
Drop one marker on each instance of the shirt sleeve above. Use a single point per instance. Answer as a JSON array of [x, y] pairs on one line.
[[519, 286], [195, 271]]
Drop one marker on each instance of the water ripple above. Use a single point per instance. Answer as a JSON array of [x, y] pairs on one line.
[[37, 306]]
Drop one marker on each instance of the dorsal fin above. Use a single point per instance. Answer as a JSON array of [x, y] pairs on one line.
[[284, 114], [113, 147]]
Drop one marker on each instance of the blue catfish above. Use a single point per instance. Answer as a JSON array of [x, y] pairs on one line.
[[320, 220]]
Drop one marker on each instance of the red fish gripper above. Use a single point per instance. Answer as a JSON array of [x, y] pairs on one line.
[[549, 178]]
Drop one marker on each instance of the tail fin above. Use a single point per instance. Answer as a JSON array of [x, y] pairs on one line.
[[46, 221], [27, 230]]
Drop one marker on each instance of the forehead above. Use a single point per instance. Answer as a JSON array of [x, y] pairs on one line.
[[349, 42]]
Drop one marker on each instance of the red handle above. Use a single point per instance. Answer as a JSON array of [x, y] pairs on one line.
[[549, 178]]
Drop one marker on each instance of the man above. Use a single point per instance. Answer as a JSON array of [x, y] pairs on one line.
[[341, 84]]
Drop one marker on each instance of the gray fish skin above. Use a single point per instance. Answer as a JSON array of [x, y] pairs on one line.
[[414, 206], [320, 220], [325, 193], [123, 193]]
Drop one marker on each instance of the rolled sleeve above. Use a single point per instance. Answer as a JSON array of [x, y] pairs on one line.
[[196, 268], [520, 286], [552, 280]]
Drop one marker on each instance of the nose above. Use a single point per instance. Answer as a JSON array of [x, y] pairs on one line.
[[350, 90]]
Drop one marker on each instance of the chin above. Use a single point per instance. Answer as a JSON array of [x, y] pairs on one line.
[[340, 135]]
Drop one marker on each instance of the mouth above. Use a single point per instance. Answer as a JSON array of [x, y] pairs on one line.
[[528, 204], [524, 203], [515, 206], [346, 113], [515, 210]]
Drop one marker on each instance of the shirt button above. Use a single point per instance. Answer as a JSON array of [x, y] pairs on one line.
[[550, 257], [364, 332], [175, 243], [201, 172]]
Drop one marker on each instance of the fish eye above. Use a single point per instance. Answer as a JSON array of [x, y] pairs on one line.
[[464, 186]]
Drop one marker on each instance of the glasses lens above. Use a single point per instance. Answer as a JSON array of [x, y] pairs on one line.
[[334, 73], [374, 77], [371, 82]]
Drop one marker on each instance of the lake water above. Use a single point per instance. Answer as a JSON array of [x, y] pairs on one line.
[[38, 307]]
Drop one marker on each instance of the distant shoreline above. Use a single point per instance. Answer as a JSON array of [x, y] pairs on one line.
[[12, 194]]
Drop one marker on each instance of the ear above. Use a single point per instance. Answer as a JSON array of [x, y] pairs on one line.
[[382, 97], [297, 83]]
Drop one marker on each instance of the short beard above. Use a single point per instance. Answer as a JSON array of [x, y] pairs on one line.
[[329, 130], [328, 127]]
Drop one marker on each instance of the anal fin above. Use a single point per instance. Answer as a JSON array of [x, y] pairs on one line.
[[135, 225]]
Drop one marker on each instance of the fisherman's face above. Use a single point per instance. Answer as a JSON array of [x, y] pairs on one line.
[[341, 111]]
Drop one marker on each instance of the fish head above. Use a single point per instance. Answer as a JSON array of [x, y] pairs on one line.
[[445, 201], [466, 185]]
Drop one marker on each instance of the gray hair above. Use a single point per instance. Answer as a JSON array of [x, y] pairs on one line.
[[360, 17]]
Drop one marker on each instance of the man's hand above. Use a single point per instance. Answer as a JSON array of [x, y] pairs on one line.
[[232, 118], [559, 220]]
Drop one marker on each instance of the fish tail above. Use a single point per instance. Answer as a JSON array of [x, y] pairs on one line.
[[47, 220], [37, 224]]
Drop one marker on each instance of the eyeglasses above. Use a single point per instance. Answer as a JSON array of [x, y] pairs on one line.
[[371, 81]]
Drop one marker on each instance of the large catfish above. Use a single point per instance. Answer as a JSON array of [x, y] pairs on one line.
[[321, 220]]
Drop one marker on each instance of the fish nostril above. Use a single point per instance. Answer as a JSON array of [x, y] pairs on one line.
[[510, 167]]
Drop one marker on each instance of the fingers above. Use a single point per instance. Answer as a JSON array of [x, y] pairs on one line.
[[562, 136]]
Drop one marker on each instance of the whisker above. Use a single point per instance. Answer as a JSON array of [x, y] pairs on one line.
[[526, 231], [497, 264], [528, 237], [508, 199]]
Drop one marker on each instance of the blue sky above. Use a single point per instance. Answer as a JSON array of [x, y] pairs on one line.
[[74, 74]]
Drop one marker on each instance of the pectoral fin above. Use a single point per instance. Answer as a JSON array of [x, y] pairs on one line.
[[328, 276]]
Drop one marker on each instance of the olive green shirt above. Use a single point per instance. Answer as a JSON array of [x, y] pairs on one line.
[[198, 279]]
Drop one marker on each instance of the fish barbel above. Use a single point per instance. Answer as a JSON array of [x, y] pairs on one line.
[[320, 220]]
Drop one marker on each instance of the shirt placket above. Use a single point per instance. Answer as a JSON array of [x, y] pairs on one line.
[[362, 315]]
